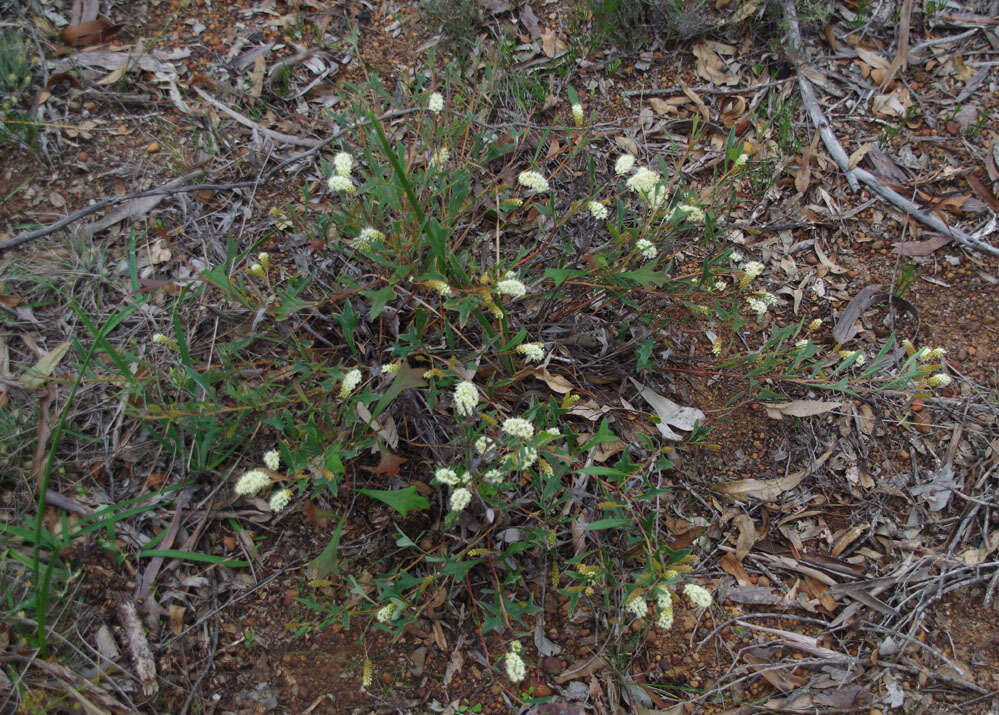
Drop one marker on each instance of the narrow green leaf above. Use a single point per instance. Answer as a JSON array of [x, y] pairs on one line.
[[192, 556], [602, 524], [326, 563]]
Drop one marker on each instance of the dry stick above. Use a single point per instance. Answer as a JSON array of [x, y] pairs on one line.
[[315, 147], [138, 646], [836, 151], [247, 122], [902, 57]]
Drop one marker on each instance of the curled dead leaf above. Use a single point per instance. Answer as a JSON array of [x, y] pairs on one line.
[[669, 412], [92, 32], [732, 108], [34, 377]]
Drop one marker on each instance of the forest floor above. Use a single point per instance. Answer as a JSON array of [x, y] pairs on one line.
[[850, 536]]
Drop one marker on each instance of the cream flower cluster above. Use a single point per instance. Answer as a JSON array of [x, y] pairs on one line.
[[694, 214], [367, 236], [350, 381], [698, 595], [523, 457], [280, 499], [484, 443], [930, 354], [637, 605], [597, 210], [577, 114], [646, 183], [440, 158], [533, 180], [252, 482], [645, 247], [341, 184], [664, 604], [388, 613], [466, 397], [847, 354], [518, 427], [511, 286], [343, 164], [515, 668], [460, 498], [436, 103], [643, 181], [756, 305], [533, 352], [939, 380], [446, 475], [440, 286], [272, 459], [623, 164]]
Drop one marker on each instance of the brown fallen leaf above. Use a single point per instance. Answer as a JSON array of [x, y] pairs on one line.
[[785, 682], [858, 156], [734, 568], [581, 669], [800, 408], [747, 535], [661, 106], [702, 108], [921, 248], [804, 175], [257, 78], [34, 377], [530, 21], [92, 32], [983, 193], [764, 490], [177, 618], [388, 465], [711, 66], [769, 489], [846, 328]]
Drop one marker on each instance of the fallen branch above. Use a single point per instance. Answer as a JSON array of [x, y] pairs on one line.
[[247, 122], [105, 203], [856, 175]]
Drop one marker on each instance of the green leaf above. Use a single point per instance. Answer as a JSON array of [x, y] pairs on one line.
[[645, 276], [402, 500], [561, 275], [458, 569], [326, 563], [603, 471], [404, 542], [348, 320], [601, 524], [289, 305], [192, 556], [603, 434], [405, 377], [379, 299]]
